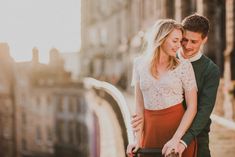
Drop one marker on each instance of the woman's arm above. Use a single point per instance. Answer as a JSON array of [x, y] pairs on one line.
[[140, 112], [191, 101]]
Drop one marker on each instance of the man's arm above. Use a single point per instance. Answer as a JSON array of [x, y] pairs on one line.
[[206, 102]]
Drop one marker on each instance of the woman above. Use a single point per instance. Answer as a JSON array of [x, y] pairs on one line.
[[160, 81]]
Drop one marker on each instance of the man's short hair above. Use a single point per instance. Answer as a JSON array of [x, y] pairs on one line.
[[196, 23]]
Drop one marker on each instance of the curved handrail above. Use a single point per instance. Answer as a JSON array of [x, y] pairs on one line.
[[120, 99]]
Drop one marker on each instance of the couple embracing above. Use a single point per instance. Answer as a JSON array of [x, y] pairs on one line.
[[175, 89]]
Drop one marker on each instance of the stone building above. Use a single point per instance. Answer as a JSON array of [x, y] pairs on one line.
[[71, 123], [112, 32], [43, 112], [7, 109], [105, 36], [72, 64]]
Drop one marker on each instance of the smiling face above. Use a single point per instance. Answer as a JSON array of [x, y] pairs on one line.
[[191, 43], [172, 42]]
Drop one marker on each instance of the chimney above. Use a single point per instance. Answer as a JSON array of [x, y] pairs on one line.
[[35, 57], [4, 51], [54, 56]]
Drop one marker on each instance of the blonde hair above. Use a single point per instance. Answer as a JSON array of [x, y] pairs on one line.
[[157, 35]]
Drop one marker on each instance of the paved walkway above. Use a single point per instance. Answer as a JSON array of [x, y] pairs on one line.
[[222, 141]]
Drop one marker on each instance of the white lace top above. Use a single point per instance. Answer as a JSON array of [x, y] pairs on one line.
[[166, 91]]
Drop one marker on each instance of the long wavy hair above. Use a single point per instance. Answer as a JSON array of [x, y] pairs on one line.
[[155, 38]]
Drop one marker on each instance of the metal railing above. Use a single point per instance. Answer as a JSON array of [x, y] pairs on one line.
[[153, 152]]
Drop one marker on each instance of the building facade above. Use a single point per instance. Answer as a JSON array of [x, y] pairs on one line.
[[7, 109], [43, 111], [112, 33]]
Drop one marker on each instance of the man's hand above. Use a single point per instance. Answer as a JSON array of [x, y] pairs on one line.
[[135, 122], [181, 149]]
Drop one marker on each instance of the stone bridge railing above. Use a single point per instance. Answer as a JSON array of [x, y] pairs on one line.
[[113, 96], [219, 112]]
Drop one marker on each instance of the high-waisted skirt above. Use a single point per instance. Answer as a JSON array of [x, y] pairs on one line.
[[160, 126]]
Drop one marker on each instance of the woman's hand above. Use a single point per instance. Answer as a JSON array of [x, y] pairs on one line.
[[172, 144], [132, 148]]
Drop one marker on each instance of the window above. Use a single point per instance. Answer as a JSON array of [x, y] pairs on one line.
[[72, 103], [38, 134], [24, 144], [60, 130], [79, 105], [71, 132], [24, 120], [49, 134], [38, 102], [60, 105]]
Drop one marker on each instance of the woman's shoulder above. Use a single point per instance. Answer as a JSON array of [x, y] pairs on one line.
[[184, 62], [140, 63], [184, 65]]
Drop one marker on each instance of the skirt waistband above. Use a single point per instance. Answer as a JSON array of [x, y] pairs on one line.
[[166, 110]]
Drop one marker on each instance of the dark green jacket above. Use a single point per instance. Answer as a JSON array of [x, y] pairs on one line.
[[207, 76]]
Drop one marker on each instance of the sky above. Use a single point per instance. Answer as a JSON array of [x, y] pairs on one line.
[[44, 24]]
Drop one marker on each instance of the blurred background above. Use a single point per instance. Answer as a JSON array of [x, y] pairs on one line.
[[66, 69]]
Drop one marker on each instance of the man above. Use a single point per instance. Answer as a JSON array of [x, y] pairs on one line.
[[207, 77]]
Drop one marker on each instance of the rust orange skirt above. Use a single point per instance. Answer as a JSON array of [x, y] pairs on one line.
[[160, 126]]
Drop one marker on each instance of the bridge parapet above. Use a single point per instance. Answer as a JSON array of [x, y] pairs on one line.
[[116, 100]]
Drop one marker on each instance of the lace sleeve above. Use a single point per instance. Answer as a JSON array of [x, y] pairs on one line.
[[188, 76], [135, 72]]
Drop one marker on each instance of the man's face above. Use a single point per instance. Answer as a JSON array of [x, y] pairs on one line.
[[191, 43]]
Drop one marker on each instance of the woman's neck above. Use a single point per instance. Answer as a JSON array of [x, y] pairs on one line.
[[163, 58]]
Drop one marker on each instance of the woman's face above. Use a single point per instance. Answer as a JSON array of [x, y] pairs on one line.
[[172, 42]]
